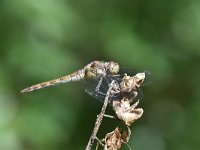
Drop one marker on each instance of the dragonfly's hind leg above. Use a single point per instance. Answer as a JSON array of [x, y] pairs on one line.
[[109, 116], [99, 85], [97, 91]]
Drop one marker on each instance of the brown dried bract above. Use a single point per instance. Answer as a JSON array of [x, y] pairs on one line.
[[127, 113], [124, 109], [129, 84], [115, 139]]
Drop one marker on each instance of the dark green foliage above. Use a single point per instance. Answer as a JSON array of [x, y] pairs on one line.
[[42, 40]]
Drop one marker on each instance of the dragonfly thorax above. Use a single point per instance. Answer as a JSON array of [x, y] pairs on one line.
[[95, 72], [101, 69], [95, 69]]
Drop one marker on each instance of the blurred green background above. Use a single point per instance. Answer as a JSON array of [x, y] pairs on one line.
[[42, 40]]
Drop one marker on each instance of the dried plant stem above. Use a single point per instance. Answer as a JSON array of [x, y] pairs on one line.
[[99, 118]]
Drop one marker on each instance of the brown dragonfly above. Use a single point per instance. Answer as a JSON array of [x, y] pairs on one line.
[[95, 76]]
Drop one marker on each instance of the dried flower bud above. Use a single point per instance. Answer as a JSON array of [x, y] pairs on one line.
[[127, 113], [115, 139], [127, 84], [139, 78], [132, 83]]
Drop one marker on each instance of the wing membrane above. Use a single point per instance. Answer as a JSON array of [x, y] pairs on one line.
[[90, 84]]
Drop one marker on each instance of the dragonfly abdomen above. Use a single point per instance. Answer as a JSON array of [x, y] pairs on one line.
[[76, 76]]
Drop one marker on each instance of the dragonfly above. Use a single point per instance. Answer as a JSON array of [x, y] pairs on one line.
[[95, 77]]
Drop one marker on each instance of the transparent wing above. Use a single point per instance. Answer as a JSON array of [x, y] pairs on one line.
[[90, 84]]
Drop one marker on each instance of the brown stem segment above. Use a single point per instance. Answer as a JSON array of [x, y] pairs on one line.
[[99, 118]]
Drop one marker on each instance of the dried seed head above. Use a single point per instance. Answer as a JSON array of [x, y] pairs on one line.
[[139, 78], [115, 139], [127, 84], [127, 113]]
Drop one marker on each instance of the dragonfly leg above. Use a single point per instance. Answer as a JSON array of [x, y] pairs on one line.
[[109, 116], [97, 91], [99, 142], [99, 85]]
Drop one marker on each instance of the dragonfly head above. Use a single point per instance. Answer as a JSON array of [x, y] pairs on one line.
[[112, 67]]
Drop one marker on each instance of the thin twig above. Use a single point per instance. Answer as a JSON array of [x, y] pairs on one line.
[[99, 118]]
